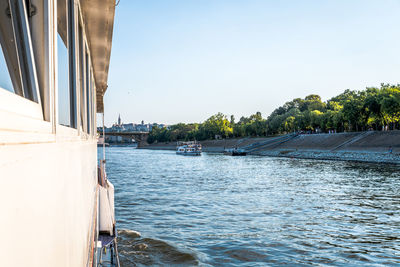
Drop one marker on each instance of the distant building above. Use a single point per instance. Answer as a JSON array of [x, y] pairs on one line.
[[129, 127], [119, 127]]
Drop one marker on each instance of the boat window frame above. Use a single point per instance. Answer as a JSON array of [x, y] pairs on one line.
[[73, 71], [88, 98], [23, 40], [71, 31], [67, 45], [93, 98], [29, 95], [82, 49], [85, 83]]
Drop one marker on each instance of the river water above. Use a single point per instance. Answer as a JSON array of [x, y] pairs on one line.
[[217, 210]]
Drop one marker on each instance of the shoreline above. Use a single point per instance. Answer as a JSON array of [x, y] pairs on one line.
[[349, 156], [368, 147]]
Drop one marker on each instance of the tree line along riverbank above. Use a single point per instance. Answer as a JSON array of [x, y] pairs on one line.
[[369, 109]]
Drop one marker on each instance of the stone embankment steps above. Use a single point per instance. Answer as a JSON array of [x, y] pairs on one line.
[[352, 140], [242, 140], [372, 146], [269, 144], [317, 142], [255, 145], [378, 142]]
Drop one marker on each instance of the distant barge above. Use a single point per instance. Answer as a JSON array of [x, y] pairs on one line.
[[236, 152]]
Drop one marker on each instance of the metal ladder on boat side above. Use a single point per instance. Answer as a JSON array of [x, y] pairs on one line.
[[110, 259]]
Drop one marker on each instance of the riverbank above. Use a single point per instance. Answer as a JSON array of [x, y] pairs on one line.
[[371, 146]]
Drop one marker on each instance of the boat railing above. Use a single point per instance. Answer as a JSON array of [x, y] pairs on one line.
[[182, 143], [102, 176]]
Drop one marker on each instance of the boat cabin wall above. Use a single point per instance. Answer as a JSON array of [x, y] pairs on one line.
[[48, 151]]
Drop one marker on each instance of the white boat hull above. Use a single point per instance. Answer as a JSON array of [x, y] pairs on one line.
[[189, 153], [48, 201]]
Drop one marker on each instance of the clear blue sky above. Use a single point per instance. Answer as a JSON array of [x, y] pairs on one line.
[[184, 60]]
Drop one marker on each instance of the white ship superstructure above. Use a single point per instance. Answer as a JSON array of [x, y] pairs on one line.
[[191, 148], [54, 61]]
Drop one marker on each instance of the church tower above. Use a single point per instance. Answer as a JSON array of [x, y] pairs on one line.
[[119, 119]]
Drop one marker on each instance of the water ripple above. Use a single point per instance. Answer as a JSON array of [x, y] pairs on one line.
[[216, 210]]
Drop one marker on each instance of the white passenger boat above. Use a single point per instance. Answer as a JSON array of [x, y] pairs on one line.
[[188, 148], [57, 205]]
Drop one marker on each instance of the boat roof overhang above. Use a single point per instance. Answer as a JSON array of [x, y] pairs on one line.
[[99, 21]]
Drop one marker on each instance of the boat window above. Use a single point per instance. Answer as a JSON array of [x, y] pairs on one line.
[[82, 73], [64, 94], [88, 95], [64, 106], [17, 65], [93, 103], [5, 79]]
